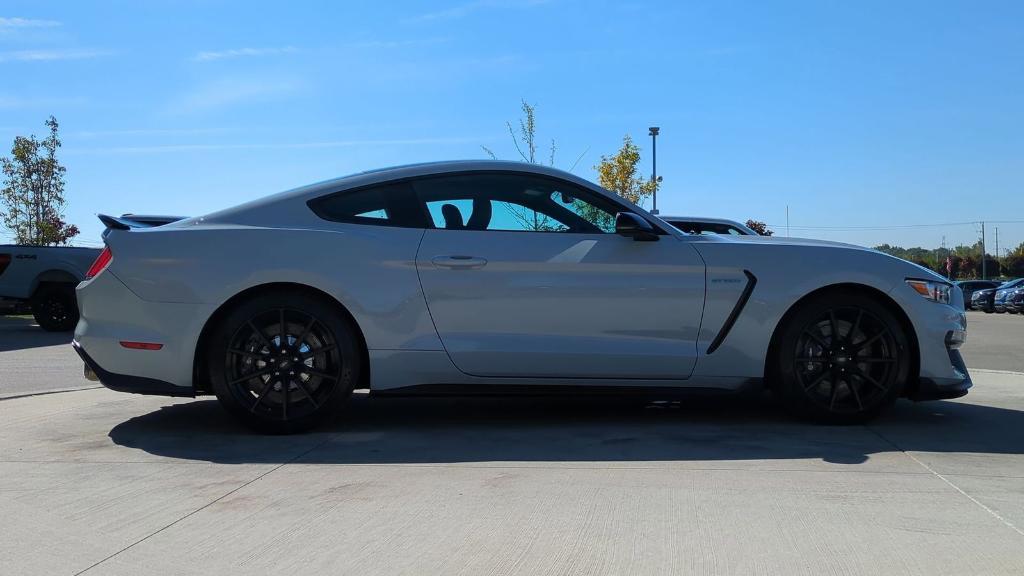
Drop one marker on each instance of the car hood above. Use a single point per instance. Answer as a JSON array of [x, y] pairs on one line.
[[785, 241], [909, 269]]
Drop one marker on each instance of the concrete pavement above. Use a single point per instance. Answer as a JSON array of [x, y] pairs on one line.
[[995, 341], [33, 361], [106, 483]]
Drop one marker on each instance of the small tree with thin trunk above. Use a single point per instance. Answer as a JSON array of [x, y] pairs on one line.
[[526, 145], [33, 191], [619, 173]]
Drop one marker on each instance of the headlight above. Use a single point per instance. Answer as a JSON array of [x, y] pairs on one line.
[[934, 291]]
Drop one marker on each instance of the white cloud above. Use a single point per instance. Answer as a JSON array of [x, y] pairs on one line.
[[50, 55], [467, 8], [241, 53], [231, 91], [27, 23]]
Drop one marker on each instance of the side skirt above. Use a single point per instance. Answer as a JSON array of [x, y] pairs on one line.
[[751, 386]]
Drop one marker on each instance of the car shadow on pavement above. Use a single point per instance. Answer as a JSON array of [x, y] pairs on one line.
[[19, 333], [454, 430]]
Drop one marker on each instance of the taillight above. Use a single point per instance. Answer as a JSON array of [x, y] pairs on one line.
[[101, 263], [5, 260]]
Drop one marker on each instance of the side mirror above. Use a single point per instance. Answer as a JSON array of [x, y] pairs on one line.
[[629, 224]]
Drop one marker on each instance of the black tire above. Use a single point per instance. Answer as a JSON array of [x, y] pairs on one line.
[[850, 378], [55, 307], [283, 389]]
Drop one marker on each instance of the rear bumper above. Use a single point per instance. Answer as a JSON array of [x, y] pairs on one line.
[[127, 383], [111, 314]]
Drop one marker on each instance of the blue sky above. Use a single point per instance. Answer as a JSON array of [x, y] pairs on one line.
[[854, 114]]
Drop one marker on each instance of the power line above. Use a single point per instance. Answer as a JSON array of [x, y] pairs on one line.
[[898, 226]]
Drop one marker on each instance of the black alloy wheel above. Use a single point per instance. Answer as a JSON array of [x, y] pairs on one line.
[[844, 359], [284, 367]]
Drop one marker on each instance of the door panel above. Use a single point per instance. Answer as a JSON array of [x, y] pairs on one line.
[[568, 305]]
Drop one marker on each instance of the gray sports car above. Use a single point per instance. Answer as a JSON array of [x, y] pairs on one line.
[[501, 277]]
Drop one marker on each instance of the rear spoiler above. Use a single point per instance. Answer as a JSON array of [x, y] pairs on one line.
[[129, 221]]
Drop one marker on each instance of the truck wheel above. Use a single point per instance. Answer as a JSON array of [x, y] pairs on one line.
[[55, 307]]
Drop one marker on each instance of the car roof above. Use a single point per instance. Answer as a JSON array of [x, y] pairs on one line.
[[701, 220], [393, 173], [442, 167]]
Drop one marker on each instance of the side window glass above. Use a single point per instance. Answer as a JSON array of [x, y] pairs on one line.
[[512, 216], [457, 217], [513, 202], [385, 205], [601, 218]]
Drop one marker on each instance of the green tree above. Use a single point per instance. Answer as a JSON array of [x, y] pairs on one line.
[[33, 191], [1013, 265], [760, 227], [619, 173]]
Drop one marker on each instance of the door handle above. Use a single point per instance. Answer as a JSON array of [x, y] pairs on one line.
[[459, 261]]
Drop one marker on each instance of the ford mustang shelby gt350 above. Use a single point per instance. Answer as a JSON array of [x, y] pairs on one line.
[[501, 277]]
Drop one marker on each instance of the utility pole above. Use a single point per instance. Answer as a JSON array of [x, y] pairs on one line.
[[949, 273], [997, 242], [654, 164], [983, 275], [788, 235]]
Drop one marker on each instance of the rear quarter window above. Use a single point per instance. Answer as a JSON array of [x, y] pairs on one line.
[[383, 205]]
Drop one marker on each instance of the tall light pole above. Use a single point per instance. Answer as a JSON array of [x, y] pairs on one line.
[[654, 164]]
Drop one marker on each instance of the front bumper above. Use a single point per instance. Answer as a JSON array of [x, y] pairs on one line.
[[933, 389], [127, 383], [940, 330]]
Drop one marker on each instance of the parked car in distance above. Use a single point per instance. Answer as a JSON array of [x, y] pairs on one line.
[[984, 299], [969, 286], [44, 277], [692, 225], [1002, 292], [1015, 301], [489, 277]]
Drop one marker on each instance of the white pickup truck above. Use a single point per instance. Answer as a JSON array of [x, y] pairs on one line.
[[45, 277]]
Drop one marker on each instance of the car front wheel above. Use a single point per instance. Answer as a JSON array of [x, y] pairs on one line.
[[843, 358], [283, 362]]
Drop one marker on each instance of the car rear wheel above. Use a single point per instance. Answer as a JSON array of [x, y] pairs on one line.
[[55, 307], [283, 362], [843, 358]]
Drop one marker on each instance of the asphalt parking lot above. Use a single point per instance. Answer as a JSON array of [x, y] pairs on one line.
[[97, 482]]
